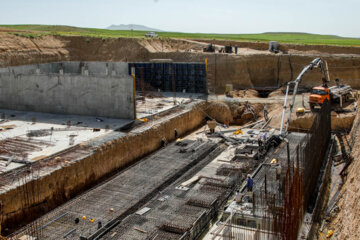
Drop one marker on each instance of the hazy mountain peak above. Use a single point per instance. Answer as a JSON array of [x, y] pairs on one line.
[[133, 27]]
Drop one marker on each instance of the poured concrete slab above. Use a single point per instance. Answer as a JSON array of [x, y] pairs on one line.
[[34, 135], [157, 102], [5, 166]]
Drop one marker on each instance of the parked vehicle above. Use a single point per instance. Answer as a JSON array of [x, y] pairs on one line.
[[151, 35], [338, 94]]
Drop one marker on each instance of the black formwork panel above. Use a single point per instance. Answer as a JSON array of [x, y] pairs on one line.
[[188, 77]]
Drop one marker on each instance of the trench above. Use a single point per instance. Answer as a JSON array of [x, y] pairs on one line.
[[264, 93]]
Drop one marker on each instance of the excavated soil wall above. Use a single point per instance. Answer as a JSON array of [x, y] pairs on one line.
[[339, 122], [258, 70], [63, 183], [345, 224], [272, 71]]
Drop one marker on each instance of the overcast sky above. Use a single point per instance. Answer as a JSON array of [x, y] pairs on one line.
[[338, 17]]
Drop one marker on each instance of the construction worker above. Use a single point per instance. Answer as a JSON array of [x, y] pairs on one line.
[[337, 81], [249, 183], [163, 142], [226, 123], [266, 113], [175, 133], [238, 197], [278, 171], [324, 80], [265, 136], [260, 142]]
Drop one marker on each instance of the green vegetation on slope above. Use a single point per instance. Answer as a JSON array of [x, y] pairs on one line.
[[296, 38]]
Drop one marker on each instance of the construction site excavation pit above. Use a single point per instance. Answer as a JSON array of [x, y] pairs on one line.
[[46, 179], [52, 151], [175, 192], [190, 179], [194, 175], [157, 148], [50, 158]]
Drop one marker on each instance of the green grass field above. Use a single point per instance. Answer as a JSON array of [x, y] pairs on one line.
[[33, 31]]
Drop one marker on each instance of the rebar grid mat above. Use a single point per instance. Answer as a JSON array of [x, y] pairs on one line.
[[160, 235], [169, 213], [114, 197], [168, 227], [280, 199], [132, 227], [19, 147], [169, 208], [203, 199], [185, 216], [12, 177], [209, 188], [228, 183], [230, 231]]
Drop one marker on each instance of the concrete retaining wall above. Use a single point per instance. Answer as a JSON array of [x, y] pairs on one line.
[[81, 88]]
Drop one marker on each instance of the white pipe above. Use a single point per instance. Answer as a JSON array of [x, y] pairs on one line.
[[292, 105], [284, 108]]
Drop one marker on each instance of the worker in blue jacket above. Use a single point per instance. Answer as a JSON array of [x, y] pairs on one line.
[[249, 183]]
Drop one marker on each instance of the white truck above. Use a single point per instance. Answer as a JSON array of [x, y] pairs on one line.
[[151, 35]]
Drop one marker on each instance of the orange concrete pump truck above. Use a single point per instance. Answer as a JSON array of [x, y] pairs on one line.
[[337, 95]]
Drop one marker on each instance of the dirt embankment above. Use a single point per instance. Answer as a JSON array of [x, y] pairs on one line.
[[247, 70], [346, 224], [339, 122], [272, 71], [233, 112], [17, 50]]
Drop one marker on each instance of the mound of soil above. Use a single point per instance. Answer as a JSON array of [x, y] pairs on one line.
[[220, 111], [248, 93], [276, 93], [241, 114]]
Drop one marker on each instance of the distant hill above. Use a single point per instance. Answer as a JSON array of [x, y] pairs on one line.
[[133, 27]]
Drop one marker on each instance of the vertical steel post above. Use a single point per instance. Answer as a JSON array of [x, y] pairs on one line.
[[265, 187], [133, 75], [288, 152]]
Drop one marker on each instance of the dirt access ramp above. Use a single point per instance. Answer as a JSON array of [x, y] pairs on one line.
[[285, 47]]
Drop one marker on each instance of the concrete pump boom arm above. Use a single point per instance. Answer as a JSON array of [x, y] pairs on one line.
[[317, 62]]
